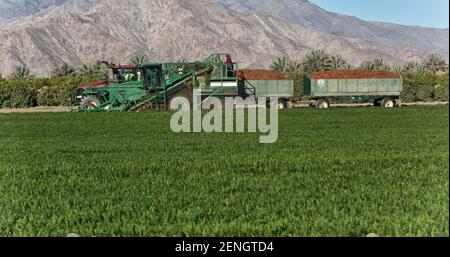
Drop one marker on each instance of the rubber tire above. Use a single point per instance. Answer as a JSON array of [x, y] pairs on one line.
[[90, 103], [322, 104], [282, 105], [177, 109], [388, 103]]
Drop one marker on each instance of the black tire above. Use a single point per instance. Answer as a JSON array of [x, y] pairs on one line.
[[282, 105], [388, 102], [322, 104]]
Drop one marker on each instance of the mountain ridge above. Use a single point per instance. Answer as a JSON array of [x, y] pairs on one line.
[[171, 30], [305, 13]]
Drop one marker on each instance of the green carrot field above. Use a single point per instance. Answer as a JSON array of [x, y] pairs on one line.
[[337, 172]]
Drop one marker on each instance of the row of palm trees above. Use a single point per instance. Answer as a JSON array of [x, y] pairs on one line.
[[64, 70], [313, 61], [319, 60], [67, 70]]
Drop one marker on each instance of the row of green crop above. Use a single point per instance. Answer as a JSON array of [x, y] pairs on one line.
[[343, 172], [54, 91]]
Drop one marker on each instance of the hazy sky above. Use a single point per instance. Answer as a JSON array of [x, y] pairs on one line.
[[428, 13]]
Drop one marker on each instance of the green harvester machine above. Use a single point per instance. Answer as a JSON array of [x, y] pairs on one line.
[[154, 86]]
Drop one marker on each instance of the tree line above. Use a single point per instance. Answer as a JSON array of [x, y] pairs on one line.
[[22, 89], [423, 81]]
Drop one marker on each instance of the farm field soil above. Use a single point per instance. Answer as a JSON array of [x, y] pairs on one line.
[[336, 172], [35, 110]]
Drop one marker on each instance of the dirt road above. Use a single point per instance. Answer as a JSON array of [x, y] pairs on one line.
[[35, 110]]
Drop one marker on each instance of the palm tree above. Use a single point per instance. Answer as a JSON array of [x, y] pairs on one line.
[[85, 70], [22, 73], [135, 60], [414, 68], [97, 68], [376, 64], [434, 63], [397, 69], [294, 67], [338, 63], [64, 70], [317, 60], [367, 65], [280, 64]]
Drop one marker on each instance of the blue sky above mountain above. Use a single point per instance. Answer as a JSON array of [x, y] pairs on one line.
[[426, 13]]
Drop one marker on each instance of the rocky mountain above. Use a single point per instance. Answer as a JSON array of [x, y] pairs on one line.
[[168, 30], [309, 15]]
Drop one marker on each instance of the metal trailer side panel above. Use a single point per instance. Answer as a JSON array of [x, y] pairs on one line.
[[353, 87], [272, 88]]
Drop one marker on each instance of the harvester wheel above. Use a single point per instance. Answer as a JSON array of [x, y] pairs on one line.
[[90, 103], [178, 105]]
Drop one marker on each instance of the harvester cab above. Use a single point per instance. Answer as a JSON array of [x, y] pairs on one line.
[[124, 74]]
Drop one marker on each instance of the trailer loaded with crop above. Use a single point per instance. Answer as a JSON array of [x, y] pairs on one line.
[[381, 87], [266, 83]]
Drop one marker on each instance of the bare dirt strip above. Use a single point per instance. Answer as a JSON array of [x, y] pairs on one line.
[[297, 105], [35, 110]]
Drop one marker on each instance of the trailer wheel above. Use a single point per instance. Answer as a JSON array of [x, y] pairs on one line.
[[90, 103], [282, 105], [388, 103], [323, 104]]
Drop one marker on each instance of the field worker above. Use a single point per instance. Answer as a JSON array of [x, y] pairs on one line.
[[129, 76], [228, 59], [229, 63]]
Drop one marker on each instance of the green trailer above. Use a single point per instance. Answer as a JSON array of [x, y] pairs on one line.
[[282, 89], [383, 88]]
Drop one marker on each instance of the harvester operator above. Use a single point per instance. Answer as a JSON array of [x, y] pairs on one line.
[[129, 76]]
